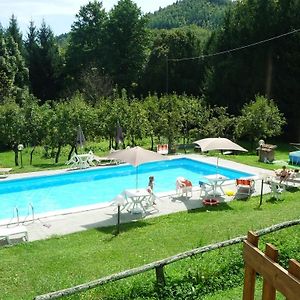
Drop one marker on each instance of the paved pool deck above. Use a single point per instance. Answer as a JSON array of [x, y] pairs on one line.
[[43, 227]]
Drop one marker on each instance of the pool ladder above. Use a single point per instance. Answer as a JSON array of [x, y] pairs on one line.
[[16, 217]]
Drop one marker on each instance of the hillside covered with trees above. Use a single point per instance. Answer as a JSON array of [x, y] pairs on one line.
[[254, 53], [204, 13]]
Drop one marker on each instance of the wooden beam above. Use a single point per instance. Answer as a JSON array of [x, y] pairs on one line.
[[280, 278], [269, 292], [249, 279]]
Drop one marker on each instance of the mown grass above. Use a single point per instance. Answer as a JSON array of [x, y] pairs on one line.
[[38, 267], [42, 266], [41, 161]]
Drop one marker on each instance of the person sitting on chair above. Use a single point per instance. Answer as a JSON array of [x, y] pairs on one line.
[[283, 173]]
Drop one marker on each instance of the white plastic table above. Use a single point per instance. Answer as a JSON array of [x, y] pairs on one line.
[[138, 200], [83, 160], [216, 181]]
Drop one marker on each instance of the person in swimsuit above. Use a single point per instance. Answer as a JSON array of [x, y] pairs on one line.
[[283, 173]]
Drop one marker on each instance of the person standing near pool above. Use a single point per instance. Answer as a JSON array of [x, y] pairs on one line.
[[151, 187]]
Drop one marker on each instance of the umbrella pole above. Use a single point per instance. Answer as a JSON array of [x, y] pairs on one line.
[[136, 178]]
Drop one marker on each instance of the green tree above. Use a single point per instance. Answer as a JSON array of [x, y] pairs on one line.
[[7, 71], [86, 45], [112, 112], [16, 50], [268, 68], [13, 30], [151, 104], [21, 71], [126, 43], [65, 119], [35, 118], [137, 122], [12, 126], [195, 116], [45, 63], [170, 119], [259, 119], [32, 57], [167, 70], [203, 13]]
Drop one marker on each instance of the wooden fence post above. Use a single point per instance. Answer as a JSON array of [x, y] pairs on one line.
[[160, 276], [249, 281], [294, 269], [269, 292]]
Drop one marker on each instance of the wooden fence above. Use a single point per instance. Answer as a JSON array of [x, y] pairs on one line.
[[275, 278], [158, 266]]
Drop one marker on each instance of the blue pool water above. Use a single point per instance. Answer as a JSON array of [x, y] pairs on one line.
[[81, 188]]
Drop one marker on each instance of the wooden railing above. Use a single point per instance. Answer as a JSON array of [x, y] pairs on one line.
[[275, 277], [158, 266]]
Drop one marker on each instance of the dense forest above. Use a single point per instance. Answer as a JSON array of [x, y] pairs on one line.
[[204, 13], [107, 54]]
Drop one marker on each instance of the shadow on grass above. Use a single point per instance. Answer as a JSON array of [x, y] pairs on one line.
[[112, 231], [49, 165], [274, 200], [292, 189], [128, 222], [221, 207]]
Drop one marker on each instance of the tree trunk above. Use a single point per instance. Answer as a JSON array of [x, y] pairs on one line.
[[71, 151], [16, 151], [57, 154], [31, 155], [152, 142]]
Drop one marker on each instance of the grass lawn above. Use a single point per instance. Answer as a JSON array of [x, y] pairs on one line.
[[42, 266], [39, 267], [40, 162]]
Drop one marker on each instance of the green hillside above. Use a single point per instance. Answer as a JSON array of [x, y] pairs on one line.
[[204, 13]]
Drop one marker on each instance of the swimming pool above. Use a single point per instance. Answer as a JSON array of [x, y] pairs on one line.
[[100, 185]]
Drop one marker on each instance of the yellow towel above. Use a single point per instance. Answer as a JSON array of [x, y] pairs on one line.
[[229, 193]]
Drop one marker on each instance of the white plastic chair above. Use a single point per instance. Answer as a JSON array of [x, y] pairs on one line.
[[206, 189], [73, 162], [183, 186], [276, 190]]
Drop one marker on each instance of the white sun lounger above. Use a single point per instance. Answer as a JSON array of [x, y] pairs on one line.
[[4, 172], [7, 233]]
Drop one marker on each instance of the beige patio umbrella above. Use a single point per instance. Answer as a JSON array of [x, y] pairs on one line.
[[218, 144], [136, 156]]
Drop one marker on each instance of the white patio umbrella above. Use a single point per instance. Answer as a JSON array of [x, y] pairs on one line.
[[136, 156], [218, 144]]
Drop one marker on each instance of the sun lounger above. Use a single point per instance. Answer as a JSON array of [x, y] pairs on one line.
[[103, 160], [245, 187], [95, 160], [7, 233], [4, 172]]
